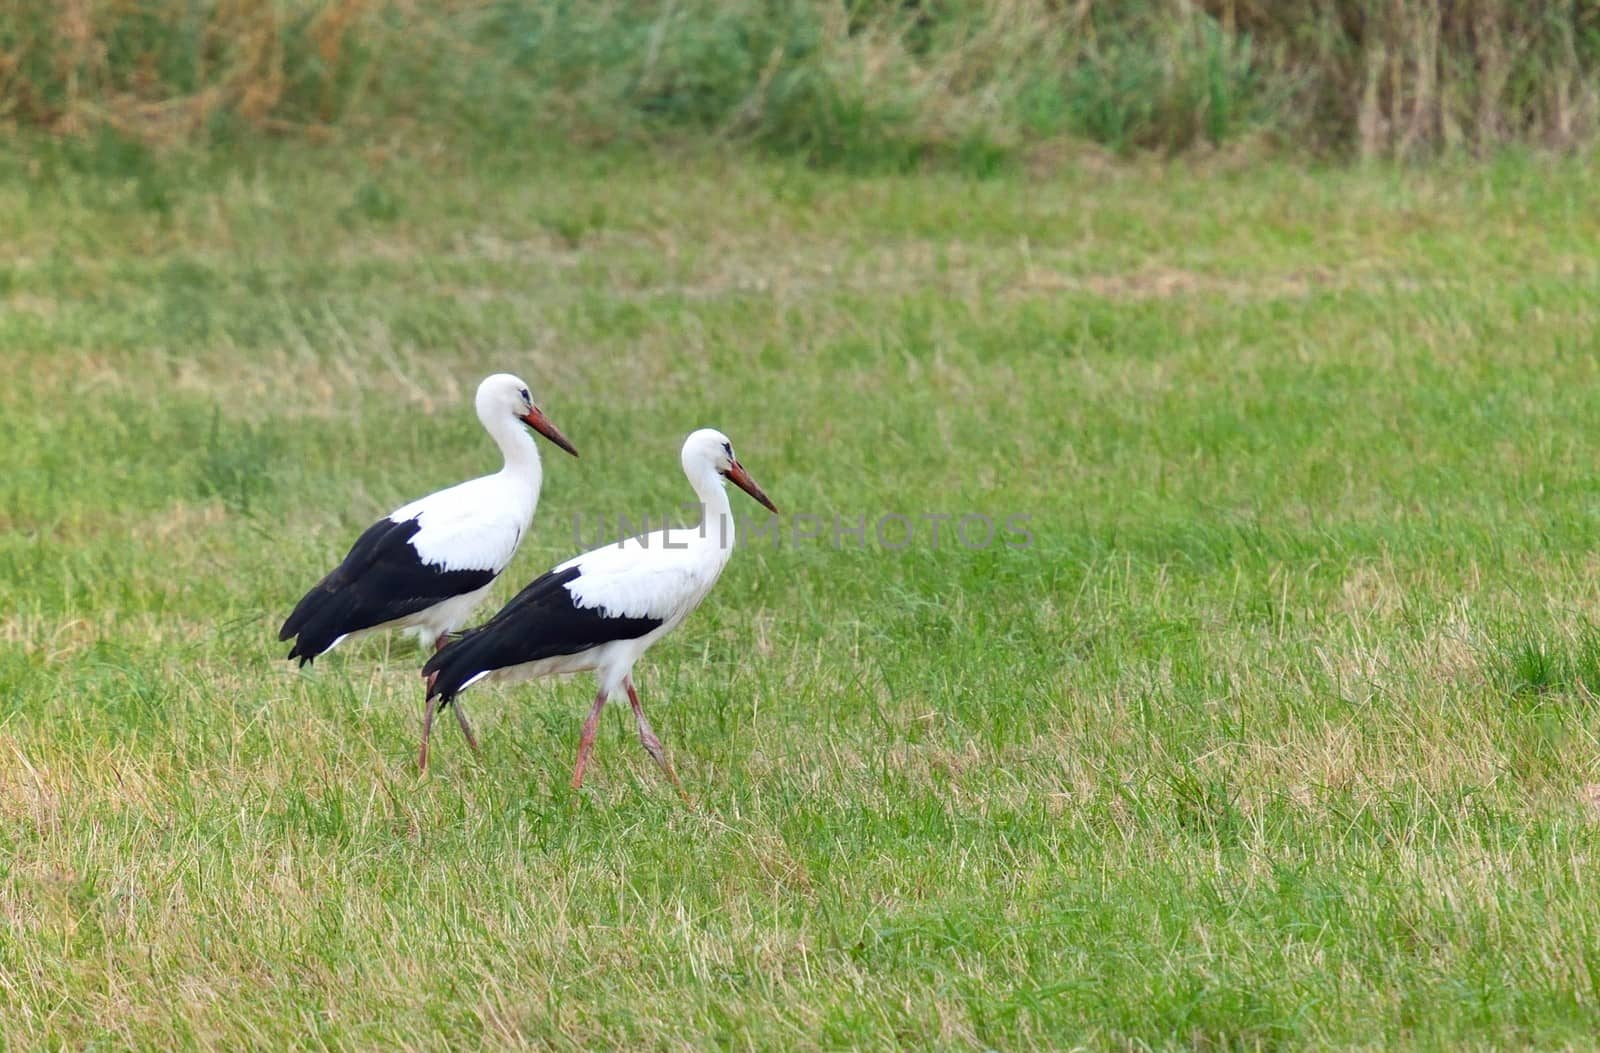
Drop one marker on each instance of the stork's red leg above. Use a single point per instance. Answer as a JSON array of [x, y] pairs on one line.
[[647, 736], [428, 710], [586, 739], [466, 729]]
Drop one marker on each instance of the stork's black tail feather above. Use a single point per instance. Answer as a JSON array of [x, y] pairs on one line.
[[318, 620], [449, 668]]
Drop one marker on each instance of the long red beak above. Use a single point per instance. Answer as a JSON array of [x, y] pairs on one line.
[[741, 478], [541, 424]]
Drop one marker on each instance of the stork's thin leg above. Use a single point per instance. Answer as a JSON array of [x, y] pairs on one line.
[[466, 729], [428, 710], [455, 704], [586, 739], [647, 736]]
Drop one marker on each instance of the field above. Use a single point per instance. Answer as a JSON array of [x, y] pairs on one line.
[[1280, 733]]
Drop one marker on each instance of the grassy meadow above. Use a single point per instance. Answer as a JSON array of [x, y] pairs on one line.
[[1282, 733]]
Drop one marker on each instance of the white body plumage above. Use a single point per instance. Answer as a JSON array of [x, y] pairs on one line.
[[427, 565]]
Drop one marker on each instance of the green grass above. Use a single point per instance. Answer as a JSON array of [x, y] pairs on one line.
[[1282, 734]]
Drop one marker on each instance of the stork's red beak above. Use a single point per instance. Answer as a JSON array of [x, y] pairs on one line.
[[536, 420], [742, 480]]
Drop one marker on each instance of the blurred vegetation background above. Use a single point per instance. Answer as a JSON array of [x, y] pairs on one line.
[[864, 84]]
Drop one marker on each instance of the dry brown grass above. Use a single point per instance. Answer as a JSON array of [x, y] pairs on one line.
[[842, 83], [163, 71], [1401, 78]]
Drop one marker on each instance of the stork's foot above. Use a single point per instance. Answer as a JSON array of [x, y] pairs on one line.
[[652, 744]]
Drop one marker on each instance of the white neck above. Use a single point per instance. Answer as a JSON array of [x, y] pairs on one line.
[[716, 515], [517, 446]]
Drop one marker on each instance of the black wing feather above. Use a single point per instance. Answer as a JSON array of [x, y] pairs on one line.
[[383, 578], [541, 621]]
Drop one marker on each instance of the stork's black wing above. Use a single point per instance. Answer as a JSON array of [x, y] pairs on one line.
[[541, 621], [383, 578]]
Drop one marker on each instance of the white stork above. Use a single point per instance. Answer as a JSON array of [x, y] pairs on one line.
[[425, 566], [602, 610]]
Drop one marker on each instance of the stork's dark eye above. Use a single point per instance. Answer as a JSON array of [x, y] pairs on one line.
[[525, 396], [727, 448]]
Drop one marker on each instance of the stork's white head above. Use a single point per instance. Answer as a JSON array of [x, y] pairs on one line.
[[710, 450], [502, 395]]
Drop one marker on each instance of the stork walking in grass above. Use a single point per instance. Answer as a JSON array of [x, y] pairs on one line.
[[602, 610], [427, 565]]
